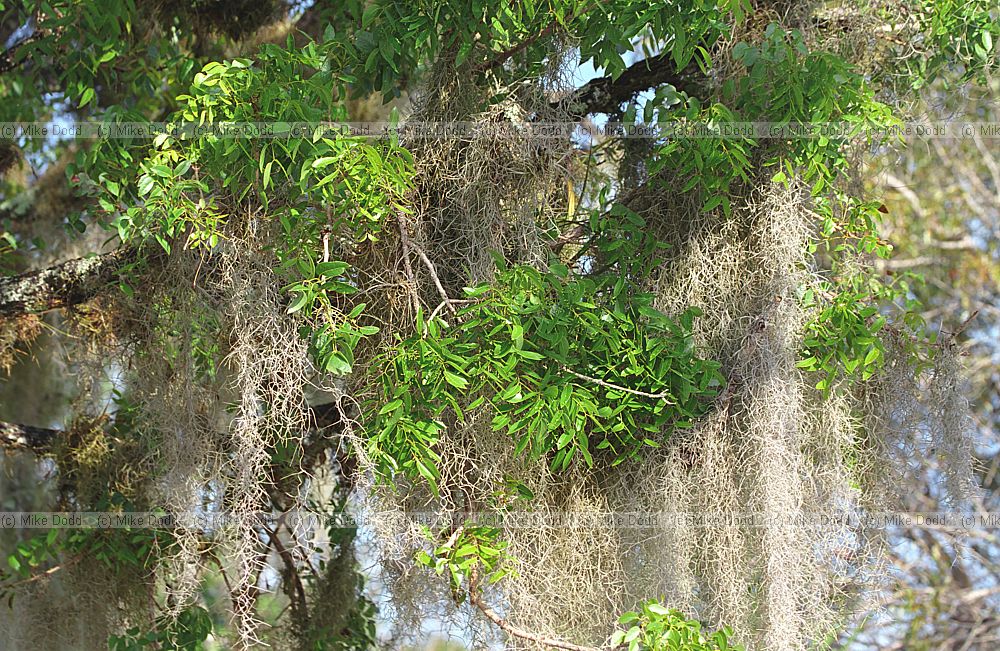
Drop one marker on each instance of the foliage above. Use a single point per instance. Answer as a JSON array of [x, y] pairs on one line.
[[468, 549], [186, 632], [957, 34], [389, 40], [578, 366], [310, 238], [190, 184], [657, 628], [125, 550]]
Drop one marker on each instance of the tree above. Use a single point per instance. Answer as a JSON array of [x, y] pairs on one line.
[[582, 391]]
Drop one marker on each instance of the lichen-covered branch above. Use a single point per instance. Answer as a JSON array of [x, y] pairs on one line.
[[62, 285], [15, 436], [606, 94]]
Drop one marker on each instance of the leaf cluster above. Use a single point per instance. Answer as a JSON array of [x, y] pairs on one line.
[[474, 547], [657, 628], [569, 366]]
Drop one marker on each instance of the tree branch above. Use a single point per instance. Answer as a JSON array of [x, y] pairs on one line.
[[662, 395], [476, 599], [8, 58], [299, 599], [509, 52], [26, 437], [501, 57], [77, 281], [63, 285], [15, 436], [404, 243], [606, 94]]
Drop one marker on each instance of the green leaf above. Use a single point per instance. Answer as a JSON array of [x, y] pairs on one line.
[[628, 617], [267, 174], [390, 406], [145, 184], [369, 15], [299, 303], [86, 98], [428, 472], [325, 161], [658, 609], [456, 381], [337, 365], [332, 268], [517, 335]]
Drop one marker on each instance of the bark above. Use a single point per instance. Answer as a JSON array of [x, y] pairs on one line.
[[15, 436], [8, 58], [606, 94], [63, 285], [26, 437]]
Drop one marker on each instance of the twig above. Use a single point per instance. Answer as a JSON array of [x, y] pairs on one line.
[[437, 281], [41, 575], [662, 395], [511, 51], [225, 577], [965, 324], [504, 625], [454, 537], [404, 242], [286, 556], [453, 301], [514, 49]]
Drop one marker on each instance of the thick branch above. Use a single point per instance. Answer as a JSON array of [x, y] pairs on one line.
[[63, 285], [14, 436], [606, 94], [404, 242], [8, 58], [299, 599]]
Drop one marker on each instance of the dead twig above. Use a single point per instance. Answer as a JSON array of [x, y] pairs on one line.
[[437, 281], [662, 395], [454, 301], [411, 280]]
